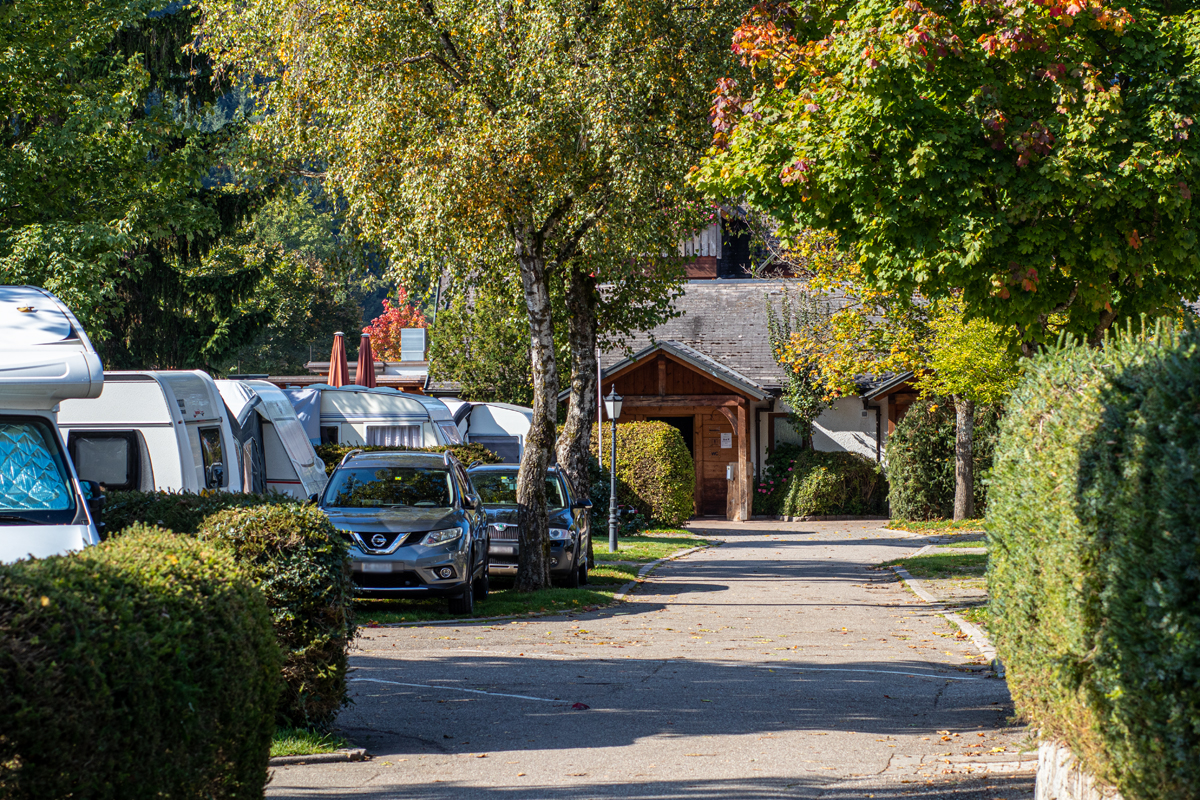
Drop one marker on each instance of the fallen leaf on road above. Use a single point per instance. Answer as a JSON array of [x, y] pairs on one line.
[[580, 706]]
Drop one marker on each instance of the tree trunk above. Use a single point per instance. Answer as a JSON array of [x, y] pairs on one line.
[[574, 444], [533, 563], [964, 458]]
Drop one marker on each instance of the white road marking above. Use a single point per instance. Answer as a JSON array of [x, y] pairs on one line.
[[873, 672], [457, 689]]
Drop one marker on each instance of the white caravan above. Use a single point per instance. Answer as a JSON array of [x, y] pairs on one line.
[[500, 427], [157, 429], [46, 359], [275, 454], [372, 417]]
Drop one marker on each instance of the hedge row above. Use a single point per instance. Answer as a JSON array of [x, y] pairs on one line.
[[143, 667], [332, 454], [656, 475], [920, 459], [802, 482], [302, 564], [1094, 573]]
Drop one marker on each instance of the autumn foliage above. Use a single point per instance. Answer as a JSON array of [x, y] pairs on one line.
[[385, 329]]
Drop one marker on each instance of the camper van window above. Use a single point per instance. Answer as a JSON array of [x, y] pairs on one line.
[[109, 458], [35, 486], [214, 463], [394, 436], [450, 431], [390, 487], [329, 434]]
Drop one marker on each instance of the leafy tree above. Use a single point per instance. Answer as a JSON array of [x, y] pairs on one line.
[[1034, 155], [385, 329], [550, 140]]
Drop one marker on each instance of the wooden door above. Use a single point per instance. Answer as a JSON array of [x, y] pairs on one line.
[[711, 472]]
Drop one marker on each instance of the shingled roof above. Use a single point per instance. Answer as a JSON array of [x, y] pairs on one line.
[[723, 320]]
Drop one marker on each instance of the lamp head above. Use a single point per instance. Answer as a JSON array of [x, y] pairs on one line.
[[612, 403]]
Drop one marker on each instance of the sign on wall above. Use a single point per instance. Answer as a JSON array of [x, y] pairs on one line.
[[726, 440]]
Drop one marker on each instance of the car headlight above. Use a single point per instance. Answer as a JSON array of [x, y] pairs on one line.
[[560, 533], [434, 538]]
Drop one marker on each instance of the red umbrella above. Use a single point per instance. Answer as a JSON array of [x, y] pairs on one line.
[[339, 370], [366, 363]]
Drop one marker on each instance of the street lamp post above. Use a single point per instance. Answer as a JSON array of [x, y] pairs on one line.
[[612, 404]]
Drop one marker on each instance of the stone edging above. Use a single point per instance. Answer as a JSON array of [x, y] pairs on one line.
[[1059, 777], [978, 637], [350, 754], [646, 570]]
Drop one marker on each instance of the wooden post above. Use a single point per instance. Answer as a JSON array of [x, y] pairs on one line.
[[662, 376], [745, 476]]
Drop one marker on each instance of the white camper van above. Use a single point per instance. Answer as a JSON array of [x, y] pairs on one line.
[[275, 454], [372, 417], [166, 430], [46, 359], [500, 427]]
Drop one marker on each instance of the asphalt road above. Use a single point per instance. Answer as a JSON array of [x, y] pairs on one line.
[[776, 665]]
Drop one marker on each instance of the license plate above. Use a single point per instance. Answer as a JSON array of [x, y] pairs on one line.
[[376, 566], [503, 549]]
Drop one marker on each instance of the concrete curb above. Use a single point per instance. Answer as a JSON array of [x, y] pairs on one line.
[[351, 754], [978, 637], [646, 570]]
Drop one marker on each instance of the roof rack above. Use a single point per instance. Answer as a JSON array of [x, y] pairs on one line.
[[347, 457], [447, 457]]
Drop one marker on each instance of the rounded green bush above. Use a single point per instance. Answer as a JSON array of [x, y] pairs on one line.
[[1094, 572], [303, 567], [802, 482], [144, 667], [920, 459], [655, 472]]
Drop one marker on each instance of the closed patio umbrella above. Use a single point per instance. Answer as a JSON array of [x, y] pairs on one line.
[[365, 376], [339, 369]]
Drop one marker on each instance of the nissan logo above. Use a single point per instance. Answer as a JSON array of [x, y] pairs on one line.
[[378, 540]]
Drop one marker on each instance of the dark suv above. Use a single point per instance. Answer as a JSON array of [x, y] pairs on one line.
[[570, 525], [415, 526]]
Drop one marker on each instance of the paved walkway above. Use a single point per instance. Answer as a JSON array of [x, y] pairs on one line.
[[777, 665]]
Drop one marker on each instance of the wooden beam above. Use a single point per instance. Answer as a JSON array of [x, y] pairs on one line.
[[729, 416], [744, 471], [679, 400], [662, 375]]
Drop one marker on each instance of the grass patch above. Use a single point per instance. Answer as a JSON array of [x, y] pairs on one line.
[[942, 566], [976, 615], [503, 600], [648, 546], [936, 525], [304, 742], [964, 543]]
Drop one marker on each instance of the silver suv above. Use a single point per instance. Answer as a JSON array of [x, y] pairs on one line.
[[415, 526]]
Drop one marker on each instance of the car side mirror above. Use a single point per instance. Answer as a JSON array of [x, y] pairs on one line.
[[469, 503], [216, 475], [94, 497], [314, 498], [582, 504]]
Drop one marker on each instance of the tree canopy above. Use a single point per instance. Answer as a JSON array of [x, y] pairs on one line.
[[1036, 155]]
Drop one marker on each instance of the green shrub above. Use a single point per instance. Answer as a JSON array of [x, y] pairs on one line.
[[144, 667], [801, 482], [656, 475], [181, 512], [332, 454], [303, 565], [1094, 573], [920, 459]]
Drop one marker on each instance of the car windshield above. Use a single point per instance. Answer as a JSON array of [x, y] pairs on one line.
[[389, 487], [35, 486], [500, 489]]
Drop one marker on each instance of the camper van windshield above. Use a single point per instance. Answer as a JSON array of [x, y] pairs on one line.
[[35, 486], [390, 487]]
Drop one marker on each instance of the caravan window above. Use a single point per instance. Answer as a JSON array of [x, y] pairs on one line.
[[394, 436], [214, 464], [450, 431], [35, 485], [108, 458]]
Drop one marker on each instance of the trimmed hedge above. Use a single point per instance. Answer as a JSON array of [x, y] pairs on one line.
[[1094, 572], [143, 667], [303, 567], [332, 454], [656, 475], [181, 512], [801, 482], [920, 459]]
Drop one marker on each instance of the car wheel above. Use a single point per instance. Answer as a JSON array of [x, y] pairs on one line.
[[464, 603], [583, 572], [481, 587]]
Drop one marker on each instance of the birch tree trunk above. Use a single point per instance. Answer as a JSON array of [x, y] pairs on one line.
[[964, 458], [533, 562], [574, 444]]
